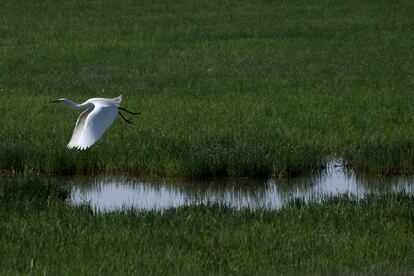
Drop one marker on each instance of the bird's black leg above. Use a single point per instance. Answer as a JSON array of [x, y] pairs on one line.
[[130, 112], [129, 122]]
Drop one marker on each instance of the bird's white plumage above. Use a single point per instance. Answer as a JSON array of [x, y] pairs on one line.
[[80, 123], [92, 123]]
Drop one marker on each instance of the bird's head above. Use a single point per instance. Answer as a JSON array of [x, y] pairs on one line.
[[59, 101]]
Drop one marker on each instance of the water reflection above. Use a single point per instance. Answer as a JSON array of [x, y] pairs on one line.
[[105, 194]]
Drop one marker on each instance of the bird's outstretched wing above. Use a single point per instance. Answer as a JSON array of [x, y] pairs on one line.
[[91, 124], [77, 132]]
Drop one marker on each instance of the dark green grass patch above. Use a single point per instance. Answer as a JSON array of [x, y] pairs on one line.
[[42, 235], [226, 88]]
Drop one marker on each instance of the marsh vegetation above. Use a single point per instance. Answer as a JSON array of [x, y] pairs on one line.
[[42, 235], [269, 90], [225, 88]]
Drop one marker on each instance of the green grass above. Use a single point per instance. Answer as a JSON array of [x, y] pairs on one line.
[[42, 235], [226, 88]]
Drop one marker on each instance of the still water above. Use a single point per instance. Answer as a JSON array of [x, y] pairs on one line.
[[113, 193]]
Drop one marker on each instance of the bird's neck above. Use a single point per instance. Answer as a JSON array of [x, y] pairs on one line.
[[75, 105]]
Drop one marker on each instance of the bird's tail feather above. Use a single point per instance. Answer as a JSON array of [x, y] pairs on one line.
[[118, 99]]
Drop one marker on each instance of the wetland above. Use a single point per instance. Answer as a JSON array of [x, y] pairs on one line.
[[243, 106], [105, 194]]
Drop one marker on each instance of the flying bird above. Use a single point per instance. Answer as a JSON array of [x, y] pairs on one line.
[[98, 115]]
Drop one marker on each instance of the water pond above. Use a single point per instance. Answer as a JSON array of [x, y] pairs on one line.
[[114, 193]]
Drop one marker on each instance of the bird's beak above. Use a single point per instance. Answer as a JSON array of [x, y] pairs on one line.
[[54, 101]]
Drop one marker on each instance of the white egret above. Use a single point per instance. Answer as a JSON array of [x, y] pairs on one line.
[[98, 115]]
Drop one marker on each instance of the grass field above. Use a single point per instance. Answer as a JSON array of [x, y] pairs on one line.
[[226, 88], [42, 235]]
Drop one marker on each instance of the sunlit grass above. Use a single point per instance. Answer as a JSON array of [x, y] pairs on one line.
[[225, 88]]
